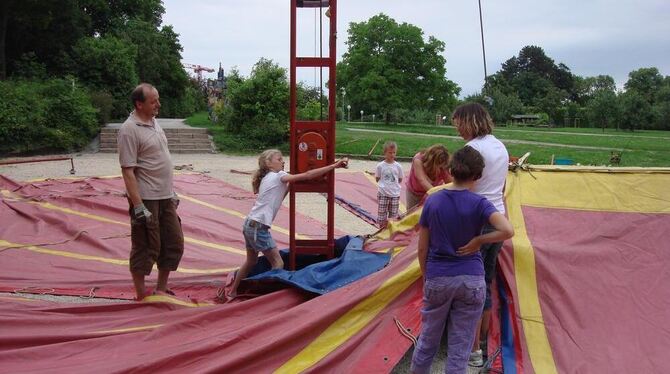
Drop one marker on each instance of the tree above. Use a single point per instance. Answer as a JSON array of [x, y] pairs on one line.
[[636, 111], [501, 106], [390, 66], [258, 106], [35, 34], [540, 83], [47, 29], [551, 102], [646, 82], [311, 103], [603, 109], [532, 59], [586, 88], [107, 64], [158, 61], [108, 15], [661, 106]]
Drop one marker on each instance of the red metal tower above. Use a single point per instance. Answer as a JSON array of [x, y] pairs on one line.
[[313, 142]]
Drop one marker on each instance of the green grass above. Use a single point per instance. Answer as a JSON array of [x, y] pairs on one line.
[[640, 148]]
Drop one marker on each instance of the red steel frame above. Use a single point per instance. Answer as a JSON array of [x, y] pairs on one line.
[[326, 129]]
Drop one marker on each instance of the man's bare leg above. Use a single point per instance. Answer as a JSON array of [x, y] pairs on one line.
[[138, 282], [161, 285]]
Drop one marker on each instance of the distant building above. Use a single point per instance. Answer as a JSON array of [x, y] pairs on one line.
[[525, 118]]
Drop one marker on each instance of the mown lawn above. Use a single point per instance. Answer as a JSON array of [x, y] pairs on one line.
[[640, 148]]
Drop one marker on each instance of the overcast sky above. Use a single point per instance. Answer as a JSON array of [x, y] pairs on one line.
[[590, 36]]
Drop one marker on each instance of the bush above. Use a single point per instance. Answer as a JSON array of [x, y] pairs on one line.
[[257, 107], [44, 116], [412, 116], [103, 102], [193, 100]]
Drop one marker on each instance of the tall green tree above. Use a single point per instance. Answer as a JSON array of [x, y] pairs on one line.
[[649, 84], [46, 29], [646, 82], [533, 59], [603, 109], [636, 112], [107, 64], [661, 106], [532, 74], [258, 106], [158, 60], [391, 66], [587, 88]]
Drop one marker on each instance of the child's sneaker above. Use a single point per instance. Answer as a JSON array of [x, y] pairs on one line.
[[476, 358]]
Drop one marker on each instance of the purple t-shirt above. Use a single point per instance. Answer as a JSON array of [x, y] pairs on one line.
[[453, 218]]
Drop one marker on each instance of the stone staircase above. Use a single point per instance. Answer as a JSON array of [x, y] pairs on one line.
[[180, 140]]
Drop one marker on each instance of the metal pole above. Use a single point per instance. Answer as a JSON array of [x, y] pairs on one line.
[[481, 28]]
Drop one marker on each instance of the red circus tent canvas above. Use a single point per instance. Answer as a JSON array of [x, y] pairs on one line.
[[580, 285]]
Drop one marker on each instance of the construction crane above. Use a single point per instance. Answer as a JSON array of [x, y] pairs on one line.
[[198, 69]]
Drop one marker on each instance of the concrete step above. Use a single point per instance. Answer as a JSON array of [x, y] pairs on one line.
[[177, 150], [191, 130], [180, 140], [170, 141], [199, 136]]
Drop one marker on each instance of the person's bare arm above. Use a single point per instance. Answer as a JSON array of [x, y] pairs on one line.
[[421, 175], [424, 238], [131, 185], [503, 231], [315, 173]]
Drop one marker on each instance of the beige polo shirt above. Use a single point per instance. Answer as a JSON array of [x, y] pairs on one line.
[[143, 146]]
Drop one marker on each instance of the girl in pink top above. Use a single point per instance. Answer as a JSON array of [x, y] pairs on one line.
[[429, 169]]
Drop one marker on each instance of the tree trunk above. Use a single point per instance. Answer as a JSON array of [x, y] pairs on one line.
[[4, 18]]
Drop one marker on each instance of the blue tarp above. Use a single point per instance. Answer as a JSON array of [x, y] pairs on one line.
[[323, 277]]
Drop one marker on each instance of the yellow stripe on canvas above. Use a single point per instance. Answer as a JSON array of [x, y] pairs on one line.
[[349, 324], [113, 261], [99, 218], [530, 313], [596, 191]]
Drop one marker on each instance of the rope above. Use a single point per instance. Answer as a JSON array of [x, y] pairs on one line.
[[489, 362], [405, 331], [91, 293], [36, 290], [45, 244]]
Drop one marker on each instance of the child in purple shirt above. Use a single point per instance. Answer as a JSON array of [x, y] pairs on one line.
[[449, 239]]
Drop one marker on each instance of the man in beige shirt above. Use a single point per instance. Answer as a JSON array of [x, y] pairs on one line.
[[156, 233]]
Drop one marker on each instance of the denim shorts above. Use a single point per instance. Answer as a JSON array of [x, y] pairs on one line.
[[257, 236]]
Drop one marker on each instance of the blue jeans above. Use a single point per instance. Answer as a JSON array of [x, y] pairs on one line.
[[457, 302]]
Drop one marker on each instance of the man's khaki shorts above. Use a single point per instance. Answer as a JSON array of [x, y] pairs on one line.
[[160, 242]]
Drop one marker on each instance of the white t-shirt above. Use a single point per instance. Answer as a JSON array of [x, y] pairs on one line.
[[496, 161], [389, 178], [271, 194]]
